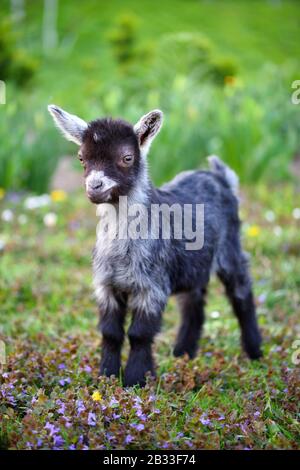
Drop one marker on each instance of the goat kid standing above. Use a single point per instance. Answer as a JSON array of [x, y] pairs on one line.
[[138, 274]]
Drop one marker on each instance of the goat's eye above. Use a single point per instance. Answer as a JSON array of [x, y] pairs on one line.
[[127, 160], [80, 158]]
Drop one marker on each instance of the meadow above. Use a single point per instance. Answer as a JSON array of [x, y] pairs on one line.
[[51, 395], [222, 72]]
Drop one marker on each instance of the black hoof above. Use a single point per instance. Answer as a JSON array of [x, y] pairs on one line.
[[180, 350]]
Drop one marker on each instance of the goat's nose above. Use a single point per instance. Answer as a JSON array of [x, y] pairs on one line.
[[98, 185]]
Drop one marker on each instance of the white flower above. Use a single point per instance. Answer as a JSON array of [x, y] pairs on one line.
[[270, 216], [22, 219], [7, 215], [296, 213], [34, 202], [50, 219], [262, 298], [277, 231], [215, 314]]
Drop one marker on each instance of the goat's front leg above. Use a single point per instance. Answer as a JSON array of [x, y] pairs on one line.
[[141, 333], [112, 314]]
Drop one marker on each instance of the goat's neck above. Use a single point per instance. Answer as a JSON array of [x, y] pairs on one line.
[[141, 192]]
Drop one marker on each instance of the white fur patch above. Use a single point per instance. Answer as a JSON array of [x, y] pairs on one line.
[[95, 177], [105, 297], [70, 125]]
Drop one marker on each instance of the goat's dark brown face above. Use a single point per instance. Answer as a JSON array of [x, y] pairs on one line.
[[112, 152], [110, 156]]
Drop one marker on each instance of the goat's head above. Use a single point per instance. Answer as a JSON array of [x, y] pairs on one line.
[[111, 151]]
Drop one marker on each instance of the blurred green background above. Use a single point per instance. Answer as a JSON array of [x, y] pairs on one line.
[[220, 70]]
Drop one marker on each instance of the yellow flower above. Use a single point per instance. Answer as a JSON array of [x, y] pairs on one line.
[[2, 193], [96, 396], [230, 80], [253, 231], [58, 195]]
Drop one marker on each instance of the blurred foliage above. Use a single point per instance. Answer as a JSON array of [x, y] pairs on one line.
[[192, 55], [15, 63], [222, 84], [124, 40], [30, 154]]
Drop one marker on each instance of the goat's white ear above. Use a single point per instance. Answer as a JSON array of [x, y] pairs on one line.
[[147, 128], [71, 126]]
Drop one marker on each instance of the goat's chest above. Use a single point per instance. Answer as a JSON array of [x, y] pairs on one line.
[[124, 264]]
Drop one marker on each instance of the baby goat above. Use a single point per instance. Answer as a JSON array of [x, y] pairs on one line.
[[139, 274]]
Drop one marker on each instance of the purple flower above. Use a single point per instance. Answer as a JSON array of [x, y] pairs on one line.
[[58, 441], [92, 419], [62, 408], [87, 369], [62, 382], [116, 416], [80, 407], [61, 366], [113, 402], [257, 413], [205, 421], [141, 415], [140, 427], [128, 439], [72, 447], [39, 443], [51, 428], [11, 400]]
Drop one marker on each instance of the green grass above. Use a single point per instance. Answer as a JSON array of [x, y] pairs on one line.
[[221, 400]]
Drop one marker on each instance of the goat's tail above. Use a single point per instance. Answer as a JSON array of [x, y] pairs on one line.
[[217, 166]]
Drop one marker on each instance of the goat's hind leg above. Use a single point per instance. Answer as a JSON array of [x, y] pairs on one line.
[[191, 306], [233, 272]]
